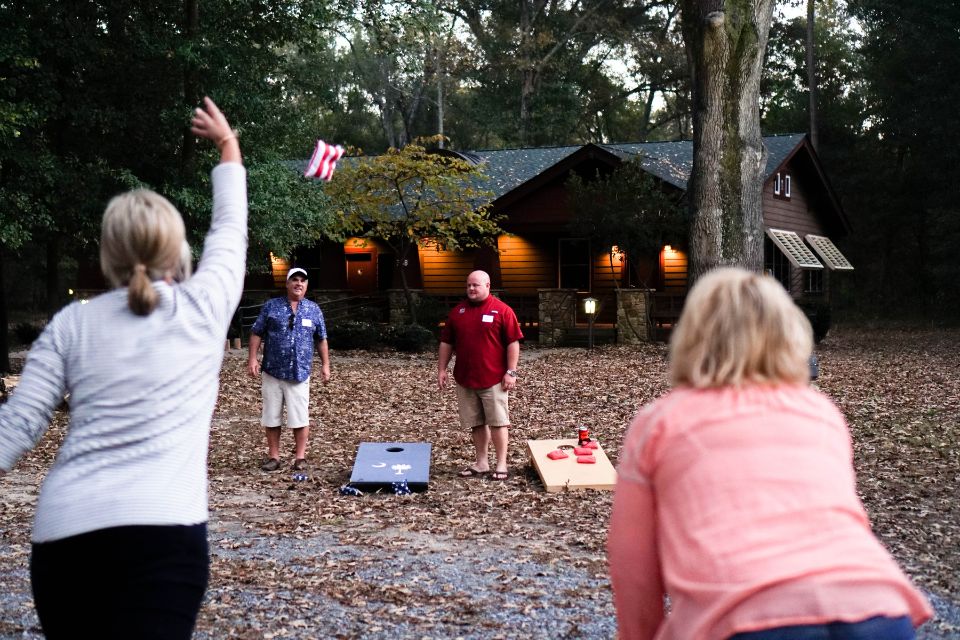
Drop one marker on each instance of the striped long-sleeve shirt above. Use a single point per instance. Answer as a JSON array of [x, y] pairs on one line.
[[142, 391]]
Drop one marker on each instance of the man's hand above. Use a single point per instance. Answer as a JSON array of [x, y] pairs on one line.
[[325, 372], [441, 378], [508, 382], [253, 368]]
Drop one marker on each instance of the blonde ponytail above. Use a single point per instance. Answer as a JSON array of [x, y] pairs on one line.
[[141, 296], [142, 239]]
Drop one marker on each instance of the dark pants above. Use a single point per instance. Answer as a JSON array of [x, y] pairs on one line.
[[122, 582], [878, 628]]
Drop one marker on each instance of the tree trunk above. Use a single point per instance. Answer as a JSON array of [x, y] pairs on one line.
[[188, 151], [726, 41], [616, 286], [402, 263], [812, 76], [440, 99], [53, 275]]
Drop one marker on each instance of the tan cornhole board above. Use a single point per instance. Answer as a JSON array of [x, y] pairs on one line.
[[558, 475]]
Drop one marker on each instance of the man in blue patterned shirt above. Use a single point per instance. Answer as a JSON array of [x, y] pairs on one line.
[[288, 327]]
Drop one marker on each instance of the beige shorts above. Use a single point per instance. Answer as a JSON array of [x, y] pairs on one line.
[[276, 394], [483, 406]]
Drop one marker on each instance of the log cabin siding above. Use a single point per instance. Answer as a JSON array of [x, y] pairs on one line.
[[673, 267], [602, 277], [544, 211], [527, 263], [278, 269], [793, 214], [445, 271]]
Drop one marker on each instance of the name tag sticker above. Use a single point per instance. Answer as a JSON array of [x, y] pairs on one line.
[[307, 322], [487, 317]]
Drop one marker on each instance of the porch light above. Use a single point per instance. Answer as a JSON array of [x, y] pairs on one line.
[[590, 308]]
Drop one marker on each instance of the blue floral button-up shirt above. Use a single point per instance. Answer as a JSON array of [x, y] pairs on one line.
[[288, 337]]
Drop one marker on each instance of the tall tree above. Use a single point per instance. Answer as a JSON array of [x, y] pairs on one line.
[[540, 59], [726, 40], [660, 81], [913, 229], [812, 74], [631, 210], [413, 197], [72, 68]]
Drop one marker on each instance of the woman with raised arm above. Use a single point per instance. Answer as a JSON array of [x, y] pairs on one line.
[[119, 538], [736, 495]]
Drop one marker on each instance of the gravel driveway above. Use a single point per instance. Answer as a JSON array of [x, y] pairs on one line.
[[478, 559], [391, 583]]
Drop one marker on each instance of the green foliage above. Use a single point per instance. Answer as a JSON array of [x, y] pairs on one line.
[[883, 87], [355, 334], [412, 196], [840, 86], [430, 312], [413, 338], [286, 210], [363, 334], [629, 209]]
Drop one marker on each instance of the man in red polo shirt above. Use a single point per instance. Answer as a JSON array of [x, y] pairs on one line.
[[485, 334]]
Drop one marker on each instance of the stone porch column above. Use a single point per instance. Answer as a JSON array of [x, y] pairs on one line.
[[558, 312], [632, 306], [399, 314]]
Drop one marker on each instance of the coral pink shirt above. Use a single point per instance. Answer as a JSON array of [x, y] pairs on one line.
[[758, 523]]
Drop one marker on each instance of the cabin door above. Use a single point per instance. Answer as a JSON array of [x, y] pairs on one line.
[[361, 270]]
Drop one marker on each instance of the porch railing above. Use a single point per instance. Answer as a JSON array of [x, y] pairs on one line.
[[372, 308], [665, 308]]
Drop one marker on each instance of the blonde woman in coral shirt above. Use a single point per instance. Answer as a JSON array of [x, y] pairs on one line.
[[736, 501]]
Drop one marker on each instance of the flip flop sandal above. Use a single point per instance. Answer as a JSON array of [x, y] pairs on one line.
[[500, 476], [470, 472]]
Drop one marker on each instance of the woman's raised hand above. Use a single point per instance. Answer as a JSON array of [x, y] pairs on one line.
[[208, 122]]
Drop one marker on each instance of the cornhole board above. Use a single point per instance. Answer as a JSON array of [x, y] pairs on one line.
[[379, 464], [558, 475]]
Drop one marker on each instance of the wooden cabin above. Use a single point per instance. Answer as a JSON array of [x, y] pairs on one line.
[[802, 217]]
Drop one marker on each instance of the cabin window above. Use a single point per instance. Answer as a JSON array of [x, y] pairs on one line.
[[775, 263], [782, 185], [813, 281], [574, 264]]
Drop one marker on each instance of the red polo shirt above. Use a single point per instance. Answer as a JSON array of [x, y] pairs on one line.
[[480, 334]]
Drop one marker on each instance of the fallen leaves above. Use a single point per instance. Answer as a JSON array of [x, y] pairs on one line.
[[468, 554]]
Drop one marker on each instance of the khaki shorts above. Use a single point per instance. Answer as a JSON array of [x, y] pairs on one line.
[[276, 394], [480, 407]]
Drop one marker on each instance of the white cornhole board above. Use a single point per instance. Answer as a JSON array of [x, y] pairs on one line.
[[567, 473]]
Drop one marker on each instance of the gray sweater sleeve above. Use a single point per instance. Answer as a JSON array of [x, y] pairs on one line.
[[26, 415]]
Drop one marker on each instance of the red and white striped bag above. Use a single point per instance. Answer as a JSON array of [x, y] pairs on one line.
[[323, 161]]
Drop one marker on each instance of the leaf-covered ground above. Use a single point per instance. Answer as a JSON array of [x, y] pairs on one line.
[[484, 559]]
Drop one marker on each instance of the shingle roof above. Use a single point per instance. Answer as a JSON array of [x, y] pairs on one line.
[[669, 161], [507, 169]]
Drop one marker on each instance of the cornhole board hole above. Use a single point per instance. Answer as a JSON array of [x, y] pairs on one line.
[[567, 473], [380, 464]]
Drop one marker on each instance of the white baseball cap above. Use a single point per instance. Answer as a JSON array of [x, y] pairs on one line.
[[295, 271]]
